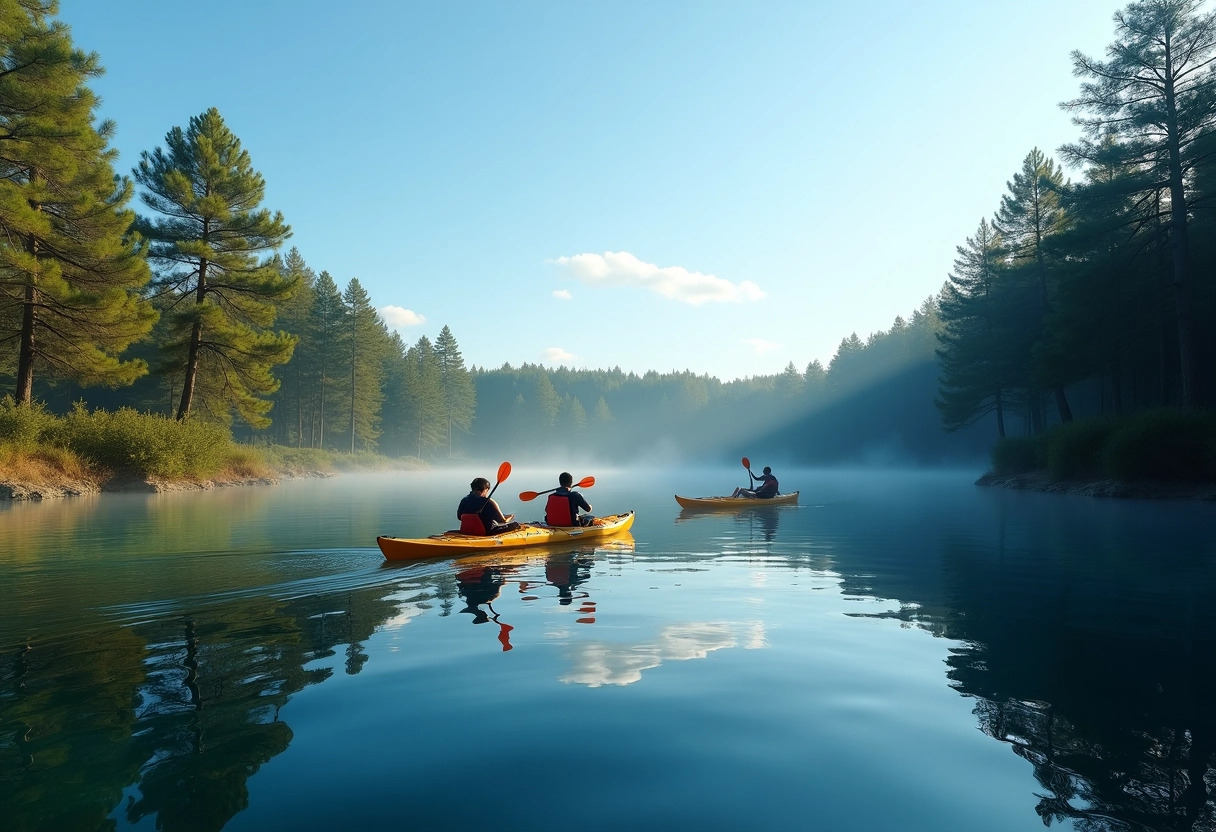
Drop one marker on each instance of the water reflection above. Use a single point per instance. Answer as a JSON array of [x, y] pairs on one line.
[[1085, 645], [1095, 663], [480, 580], [186, 706], [760, 521], [611, 663]]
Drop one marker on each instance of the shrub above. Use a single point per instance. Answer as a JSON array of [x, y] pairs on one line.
[[1163, 444], [1018, 455], [244, 462], [1075, 449], [144, 443], [22, 426]]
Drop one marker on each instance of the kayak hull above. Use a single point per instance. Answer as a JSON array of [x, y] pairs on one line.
[[529, 534], [737, 502]]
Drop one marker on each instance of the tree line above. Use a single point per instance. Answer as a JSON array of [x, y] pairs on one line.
[[1101, 287], [186, 307], [1073, 298]]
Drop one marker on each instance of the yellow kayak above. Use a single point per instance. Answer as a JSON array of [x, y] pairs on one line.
[[529, 534], [737, 502]]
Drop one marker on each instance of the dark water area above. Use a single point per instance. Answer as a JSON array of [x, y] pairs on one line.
[[900, 650]]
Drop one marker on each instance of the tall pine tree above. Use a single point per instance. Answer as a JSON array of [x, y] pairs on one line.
[[1156, 96], [1029, 218], [211, 241], [977, 368], [459, 394], [424, 413], [70, 274], [367, 344], [291, 399]]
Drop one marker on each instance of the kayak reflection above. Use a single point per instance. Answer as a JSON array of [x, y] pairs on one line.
[[760, 520], [480, 581]]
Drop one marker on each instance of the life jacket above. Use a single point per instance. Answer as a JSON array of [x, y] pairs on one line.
[[472, 524], [558, 510], [769, 489]]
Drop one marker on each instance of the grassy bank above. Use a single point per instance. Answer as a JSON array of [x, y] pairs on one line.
[[1157, 446], [86, 451]]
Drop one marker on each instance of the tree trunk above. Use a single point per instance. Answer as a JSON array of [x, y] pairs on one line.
[[25, 361], [25, 356], [1183, 291], [183, 409], [196, 338]]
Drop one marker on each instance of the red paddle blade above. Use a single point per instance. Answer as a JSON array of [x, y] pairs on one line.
[[747, 463], [586, 482], [504, 471], [528, 495]]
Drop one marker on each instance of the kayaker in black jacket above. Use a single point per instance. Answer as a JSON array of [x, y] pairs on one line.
[[768, 486], [479, 514]]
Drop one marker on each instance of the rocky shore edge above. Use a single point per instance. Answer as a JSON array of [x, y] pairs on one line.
[[133, 484], [1147, 490]]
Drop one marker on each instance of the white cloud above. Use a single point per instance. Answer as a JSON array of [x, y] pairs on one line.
[[620, 268], [557, 355], [397, 317], [563, 294], [760, 346]]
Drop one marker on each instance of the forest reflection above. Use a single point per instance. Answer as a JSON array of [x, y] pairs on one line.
[[1101, 675]]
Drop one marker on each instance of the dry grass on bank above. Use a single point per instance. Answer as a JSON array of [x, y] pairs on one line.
[[49, 468]]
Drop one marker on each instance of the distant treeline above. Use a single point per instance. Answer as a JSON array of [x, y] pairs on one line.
[[1075, 299]]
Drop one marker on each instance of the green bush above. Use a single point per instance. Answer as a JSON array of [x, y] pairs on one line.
[[144, 443], [22, 427], [1075, 449], [1178, 445], [1018, 455]]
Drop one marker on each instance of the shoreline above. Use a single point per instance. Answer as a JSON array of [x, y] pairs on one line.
[[139, 485], [1145, 490]]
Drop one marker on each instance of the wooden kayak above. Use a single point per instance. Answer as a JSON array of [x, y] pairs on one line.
[[737, 502], [529, 534]]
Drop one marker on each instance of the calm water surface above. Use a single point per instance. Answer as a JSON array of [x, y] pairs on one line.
[[901, 651]]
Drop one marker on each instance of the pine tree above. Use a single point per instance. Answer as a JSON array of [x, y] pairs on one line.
[[459, 394], [1155, 97], [1029, 219], [367, 346], [424, 396], [790, 383], [294, 315], [207, 240], [327, 331], [975, 355], [70, 274], [396, 436]]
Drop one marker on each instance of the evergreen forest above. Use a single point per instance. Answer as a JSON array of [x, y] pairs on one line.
[[171, 289]]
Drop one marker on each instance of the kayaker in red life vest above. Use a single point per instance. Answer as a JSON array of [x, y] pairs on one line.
[[478, 514], [768, 486], [563, 505]]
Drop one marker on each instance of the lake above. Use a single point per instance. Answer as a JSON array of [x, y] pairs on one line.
[[900, 651]]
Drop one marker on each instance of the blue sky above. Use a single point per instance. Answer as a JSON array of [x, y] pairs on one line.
[[706, 186]]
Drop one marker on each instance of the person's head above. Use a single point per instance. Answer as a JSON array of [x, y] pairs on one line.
[[565, 480], [768, 470], [479, 485]]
